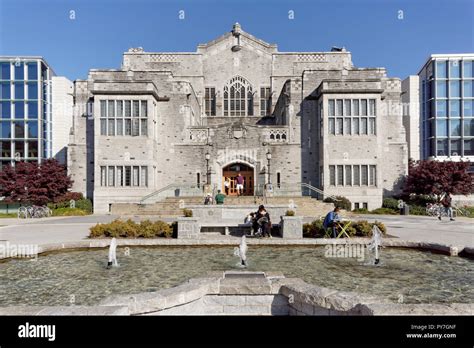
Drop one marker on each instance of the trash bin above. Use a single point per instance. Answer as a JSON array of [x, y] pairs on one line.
[[405, 210]]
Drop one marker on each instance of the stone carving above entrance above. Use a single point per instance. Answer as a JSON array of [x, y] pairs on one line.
[[237, 132], [198, 135]]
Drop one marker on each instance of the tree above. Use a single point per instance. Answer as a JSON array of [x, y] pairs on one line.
[[436, 178], [34, 183]]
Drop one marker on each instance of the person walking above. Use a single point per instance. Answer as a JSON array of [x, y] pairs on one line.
[[226, 186], [240, 184], [446, 203], [220, 197]]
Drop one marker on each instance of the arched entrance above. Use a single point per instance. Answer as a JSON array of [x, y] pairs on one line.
[[231, 171]]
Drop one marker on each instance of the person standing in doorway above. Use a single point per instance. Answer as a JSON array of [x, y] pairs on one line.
[[226, 186], [240, 184]]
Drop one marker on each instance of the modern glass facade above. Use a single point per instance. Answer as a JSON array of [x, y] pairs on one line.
[[447, 107], [25, 109]]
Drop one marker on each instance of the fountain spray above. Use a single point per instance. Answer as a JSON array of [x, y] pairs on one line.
[[241, 251], [375, 243], [112, 254]]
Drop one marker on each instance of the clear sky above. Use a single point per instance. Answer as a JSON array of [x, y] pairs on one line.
[[376, 33]]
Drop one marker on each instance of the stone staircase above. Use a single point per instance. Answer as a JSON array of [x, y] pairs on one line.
[[173, 206]]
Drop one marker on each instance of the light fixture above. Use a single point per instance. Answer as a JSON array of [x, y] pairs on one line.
[[269, 155], [208, 156]]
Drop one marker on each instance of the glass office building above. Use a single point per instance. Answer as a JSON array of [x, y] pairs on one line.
[[25, 109], [447, 107]]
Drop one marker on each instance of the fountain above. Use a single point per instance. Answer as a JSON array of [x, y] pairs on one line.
[[241, 251], [375, 243], [112, 254]]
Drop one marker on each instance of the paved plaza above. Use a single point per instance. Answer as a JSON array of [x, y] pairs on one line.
[[73, 229]]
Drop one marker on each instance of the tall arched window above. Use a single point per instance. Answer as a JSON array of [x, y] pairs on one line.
[[238, 98]]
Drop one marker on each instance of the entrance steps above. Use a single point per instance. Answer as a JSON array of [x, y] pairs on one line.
[[173, 206]]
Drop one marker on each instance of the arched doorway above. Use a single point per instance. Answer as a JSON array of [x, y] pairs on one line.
[[231, 171]]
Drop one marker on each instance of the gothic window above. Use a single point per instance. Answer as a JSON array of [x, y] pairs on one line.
[[238, 98], [265, 101], [210, 101]]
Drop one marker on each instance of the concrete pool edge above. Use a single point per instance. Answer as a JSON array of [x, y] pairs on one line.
[[273, 294], [451, 250]]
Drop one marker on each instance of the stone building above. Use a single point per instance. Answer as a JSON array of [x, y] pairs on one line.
[[237, 105]]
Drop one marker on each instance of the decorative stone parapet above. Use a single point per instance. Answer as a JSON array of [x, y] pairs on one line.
[[188, 227], [291, 227]]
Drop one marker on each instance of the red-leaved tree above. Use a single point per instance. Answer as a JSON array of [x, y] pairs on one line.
[[34, 183], [437, 178]]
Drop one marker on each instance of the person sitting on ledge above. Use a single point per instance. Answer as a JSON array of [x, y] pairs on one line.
[[330, 220], [208, 199], [262, 220], [220, 197]]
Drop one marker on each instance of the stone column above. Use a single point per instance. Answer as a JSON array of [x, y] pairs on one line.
[[292, 227], [188, 227]]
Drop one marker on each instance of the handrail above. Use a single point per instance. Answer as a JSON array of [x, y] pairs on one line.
[[166, 188], [315, 189]]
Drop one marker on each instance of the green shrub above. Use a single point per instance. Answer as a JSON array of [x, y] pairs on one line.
[[390, 203], [361, 211], [290, 213], [8, 215], [385, 211], [340, 201], [417, 210], [187, 212], [84, 204], [363, 228], [130, 229], [313, 229], [69, 212]]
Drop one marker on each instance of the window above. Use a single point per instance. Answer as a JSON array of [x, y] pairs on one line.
[[278, 179], [348, 170], [119, 127], [110, 127], [468, 127], [340, 175], [19, 90], [365, 206], [468, 107], [136, 177], [32, 149], [468, 91], [355, 107], [454, 108], [143, 127], [339, 125], [469, 147], [5, 71], [111, 176], [5, 129], [363, 106], [441, 109], [363, 125], [103, 108], [144, 109], [198, 180], [442, 128], [144, 176], [19, 109], [238, 98], [128, 108], [6, 149], [136, 108], [371, 107], [5, 90], [441, 68], [456, 147], [210, 101], [19, 71], [352, 123], [19, 149], [103, 177], [468, 71], [454, 89], [339, 105], [5, 110], [441, 89], [373, 175], [32, 129], [128, 176], [455, 128], [32, 90], [119, 107], [32, 71], [135, 127], [372, 126], [332, 175], [111, 109], [120, 176], [265, 101], [347, 125], [454, 69], [103, 127], [364, 176], [356, 206], [32, 109], [442, 147], [331, 126], [128, 127], [355, 125], [331, 108]]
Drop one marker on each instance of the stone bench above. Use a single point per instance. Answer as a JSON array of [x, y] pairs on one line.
[[223, 217]]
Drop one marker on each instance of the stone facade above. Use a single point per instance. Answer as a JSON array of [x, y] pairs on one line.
[[283, 110]]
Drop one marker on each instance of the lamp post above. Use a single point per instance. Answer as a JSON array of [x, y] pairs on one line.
[[269, 157], [208, 174]]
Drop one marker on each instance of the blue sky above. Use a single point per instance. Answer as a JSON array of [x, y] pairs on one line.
[[103, 29]]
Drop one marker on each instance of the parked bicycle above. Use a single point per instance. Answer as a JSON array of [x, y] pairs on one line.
[[34, 212]]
